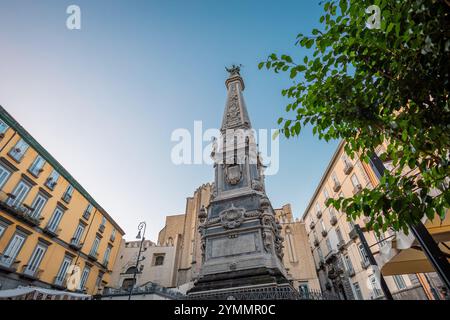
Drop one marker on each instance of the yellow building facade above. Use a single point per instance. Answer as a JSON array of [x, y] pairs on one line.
[[50, 227]]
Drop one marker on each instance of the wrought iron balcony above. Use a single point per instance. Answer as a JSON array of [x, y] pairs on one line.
[[333, 220], [319, 214], [341, 245], [357, 189], [8, 264], [75, 244], [93, 256], [324, 233], [365, 264], [312, 225], [348, 168], [353, 234], [21, 211], [66, 197], [336, 186], [86, 215], [32, 274], [101, 228], [52, 232], [316, 241]]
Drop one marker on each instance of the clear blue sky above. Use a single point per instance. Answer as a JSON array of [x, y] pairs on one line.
[[105, 99]]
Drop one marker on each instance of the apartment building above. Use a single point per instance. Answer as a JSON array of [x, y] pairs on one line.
[[51, 229], [341, 262]]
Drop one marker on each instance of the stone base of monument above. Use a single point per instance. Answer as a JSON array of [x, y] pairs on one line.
[[252, 284]]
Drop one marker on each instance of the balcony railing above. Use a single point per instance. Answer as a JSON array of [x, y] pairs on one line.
[[93, 256], [330, 255], [75, 244], [348, 168], [316, 242], [312, 225], [324, 233], [8, 264], [66, 197], [52, 232], [21, 211], [333, 220], [341, 245], [353, 234], [50, 183], [101, 228], [86, 215], [60, 282], [33, 274], [357, 189], [336, 186], [319, 214]]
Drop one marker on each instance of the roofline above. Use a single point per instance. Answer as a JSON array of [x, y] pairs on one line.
[[24, 134], [327, 171]]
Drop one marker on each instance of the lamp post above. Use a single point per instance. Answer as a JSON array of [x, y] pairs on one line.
[[141, 226]]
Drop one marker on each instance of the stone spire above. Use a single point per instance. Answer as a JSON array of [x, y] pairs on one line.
[[235, 115]]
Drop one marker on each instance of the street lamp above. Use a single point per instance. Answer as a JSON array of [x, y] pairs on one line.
[[141, 226]]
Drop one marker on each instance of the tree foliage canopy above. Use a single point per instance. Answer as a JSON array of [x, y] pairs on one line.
[[370, 85]]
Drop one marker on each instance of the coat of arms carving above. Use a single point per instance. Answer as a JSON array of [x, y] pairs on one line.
[[232, 218], [233, 174]]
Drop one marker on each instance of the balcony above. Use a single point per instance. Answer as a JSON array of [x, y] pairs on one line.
[[60, 282], [365, 264], [54, 233], [336, 186], [348, 168], [333, 220], [112, 238], [316, 242], [66, 197], [86, 215], [7, 264], [353, 234], [312, 225], [30, 273], [93, 256], [324, 233], [75, 244], [49, 183], [330, 255], [101, 228], [357, 189], [22, 212], [319, 214], [341, 245]]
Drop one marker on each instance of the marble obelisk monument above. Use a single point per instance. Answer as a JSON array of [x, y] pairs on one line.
[[241, 241]]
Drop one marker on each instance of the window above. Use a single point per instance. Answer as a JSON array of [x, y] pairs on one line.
[[19, 194], [11, 252], [37, 205], [98, 282], [355, 181], [78, 234], [363, 253], [399, 282], [376, 289], [35, 260], [2, 228], [18, 151], [55, 219], [68, 194], [37, 166], [303, 289], [359, 295], [335, 178], [113, 235], [52, 179], [345, 160], [106, 256], [4, 175], [380, 240], [84, 277], [88, 211], [322, 225], [103, 221], [348, 264], [131, 270], [159, 260], [317, 207], [60, 277], [332, 213], [3, 127], [339, 234], [95, 246], [320, 254]]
